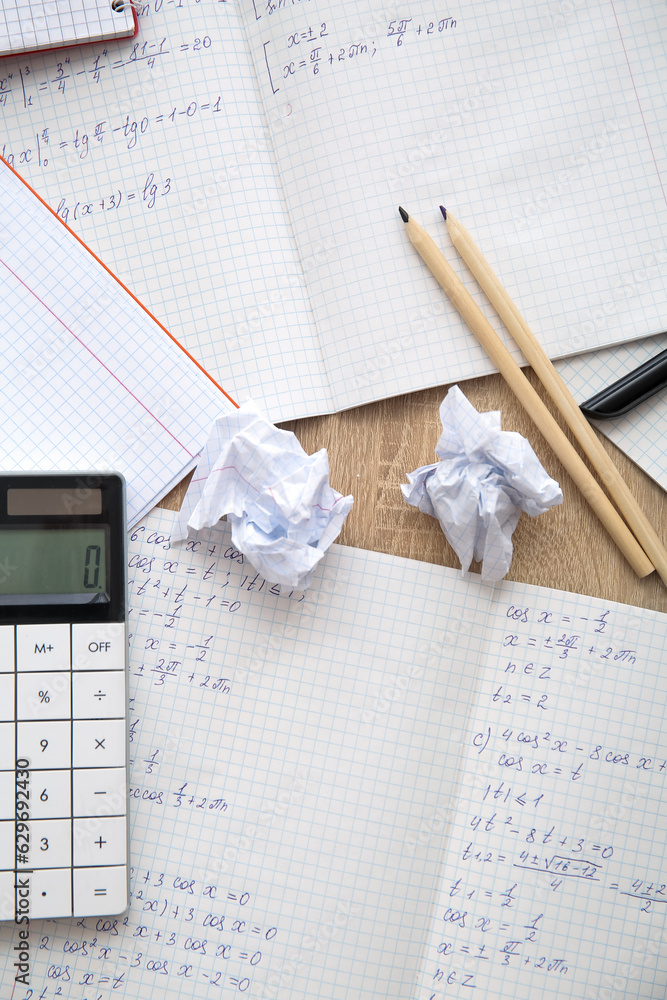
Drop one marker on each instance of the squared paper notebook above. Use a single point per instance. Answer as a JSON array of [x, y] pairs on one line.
[[400, 785], [89, 378], [29, 25], [242, 165]]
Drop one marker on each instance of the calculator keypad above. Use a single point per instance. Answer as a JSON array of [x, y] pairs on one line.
[[63, 815]]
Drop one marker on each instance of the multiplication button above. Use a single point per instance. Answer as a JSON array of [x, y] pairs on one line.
[[100, 744], [98, 647], [100, 890], [42, 647], [99, 694]]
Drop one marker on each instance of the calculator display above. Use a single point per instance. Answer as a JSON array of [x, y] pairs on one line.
[[43, 562]]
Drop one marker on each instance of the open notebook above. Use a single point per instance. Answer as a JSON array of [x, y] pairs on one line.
[[26, 25], [241, 166], [402, 784], [89, 379]]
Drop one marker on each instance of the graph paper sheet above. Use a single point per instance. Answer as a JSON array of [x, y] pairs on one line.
[[29, 24], [156, 152], [233, 189], [641, 433], [539, 126], [301, 762], [88, 380]]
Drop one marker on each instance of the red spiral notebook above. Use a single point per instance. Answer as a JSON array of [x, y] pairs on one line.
[[32, 25]]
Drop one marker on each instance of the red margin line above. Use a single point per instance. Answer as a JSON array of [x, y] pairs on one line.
[[118, 281], [98, 360], [641, 112]]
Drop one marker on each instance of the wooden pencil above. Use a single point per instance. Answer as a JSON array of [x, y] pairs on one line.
[[560, 394], [503, 360]]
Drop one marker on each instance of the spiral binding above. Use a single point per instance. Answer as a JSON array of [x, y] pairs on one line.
[[118, 6]]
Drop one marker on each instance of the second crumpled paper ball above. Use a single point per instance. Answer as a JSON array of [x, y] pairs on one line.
[[487, 476], [283, 512]]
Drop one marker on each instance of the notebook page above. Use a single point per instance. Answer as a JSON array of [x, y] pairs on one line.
[[88, 380], [155, 151], [641, 433], [554, 878], [292, 765], [540, 128], [29, 24]]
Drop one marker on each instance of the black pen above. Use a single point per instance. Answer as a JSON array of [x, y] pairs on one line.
[[629, 391]]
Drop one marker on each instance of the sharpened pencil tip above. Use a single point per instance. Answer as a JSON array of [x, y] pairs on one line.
[[404, 215], [444, 212]]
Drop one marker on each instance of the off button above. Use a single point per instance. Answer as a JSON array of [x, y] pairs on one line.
[[98, 647]]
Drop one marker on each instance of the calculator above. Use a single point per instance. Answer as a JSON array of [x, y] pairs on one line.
[[63, 696]]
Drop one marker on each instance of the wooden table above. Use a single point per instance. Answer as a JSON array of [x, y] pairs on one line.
[[371, 449]]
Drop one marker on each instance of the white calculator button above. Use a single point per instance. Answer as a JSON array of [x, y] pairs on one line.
[[100, 891], [100, 841], [6, 697], [7, 844], [102, 744], [50, 843], [7, 905], [43, 696], [50, 794], [99, 694], [100, 791], [7, 797], [98, 647], [45, 744], [7, 745], [51, 893], [6, 649], [42, 647]]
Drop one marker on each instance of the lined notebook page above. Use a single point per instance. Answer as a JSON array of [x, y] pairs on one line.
[[296, 768], [156, 152], [88, 380], [554, 881], [641, 433], [541, 128], [289, 756]]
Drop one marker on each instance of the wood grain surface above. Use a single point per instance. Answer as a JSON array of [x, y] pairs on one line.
[[371, 449]]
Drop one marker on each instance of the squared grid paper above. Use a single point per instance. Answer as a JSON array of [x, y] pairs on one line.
[[563, 894], [158, 155], [29, 24], [525, 121], [89, 380], [641, 433], [296, 764]]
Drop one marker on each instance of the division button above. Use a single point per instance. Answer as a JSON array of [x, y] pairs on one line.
[[99, 694]]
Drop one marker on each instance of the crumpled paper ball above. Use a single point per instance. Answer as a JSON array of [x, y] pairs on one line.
[[283, 513], [485, 478]]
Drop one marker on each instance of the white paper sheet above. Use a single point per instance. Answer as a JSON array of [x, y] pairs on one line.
[[88, 378], [299, 762]]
